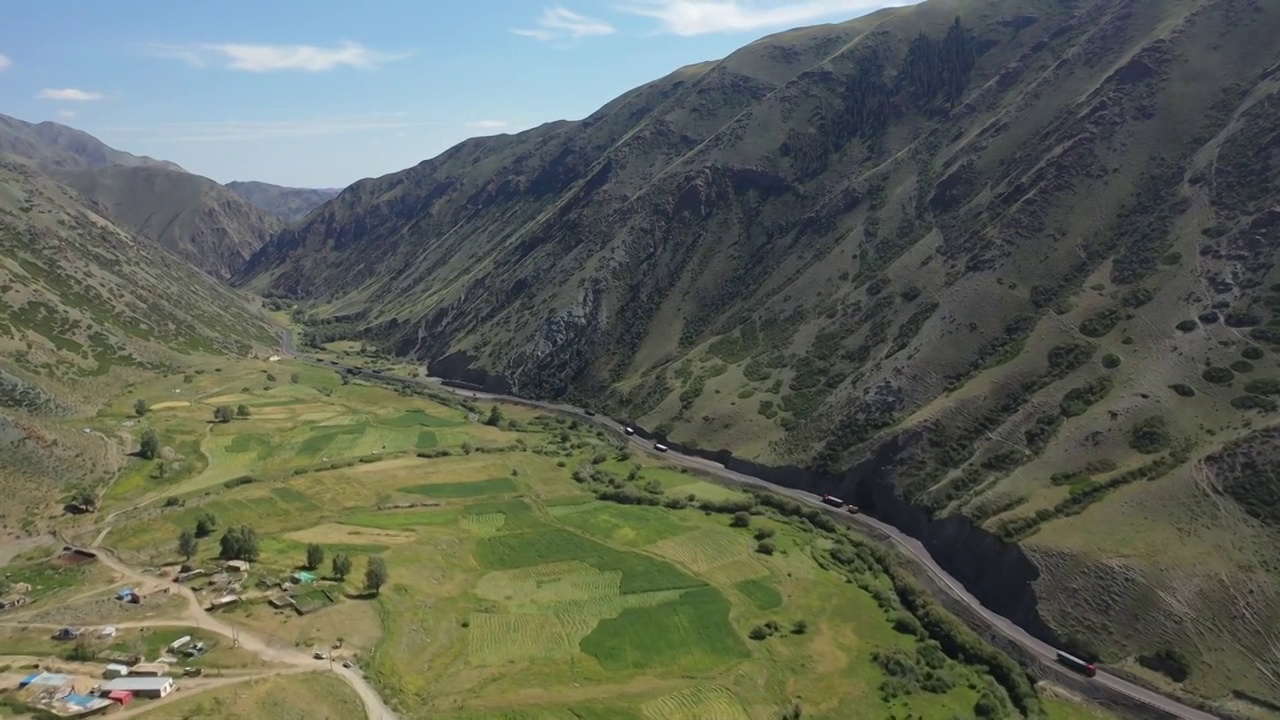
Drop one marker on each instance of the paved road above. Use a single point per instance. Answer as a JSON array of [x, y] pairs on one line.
[[998, 623]]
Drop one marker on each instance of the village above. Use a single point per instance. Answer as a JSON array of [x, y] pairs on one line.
[[107, 668]]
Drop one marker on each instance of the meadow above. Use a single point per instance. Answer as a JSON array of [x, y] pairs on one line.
[[538, 570]]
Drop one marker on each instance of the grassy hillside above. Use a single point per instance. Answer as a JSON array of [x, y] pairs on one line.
[[86, 306], [288, 204], [193, 217], [59, 146], [1026, 255]]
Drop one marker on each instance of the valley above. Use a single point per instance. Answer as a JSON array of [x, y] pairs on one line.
[[1002, 275]]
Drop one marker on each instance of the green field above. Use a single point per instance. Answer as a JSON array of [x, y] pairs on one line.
[[516, 584]]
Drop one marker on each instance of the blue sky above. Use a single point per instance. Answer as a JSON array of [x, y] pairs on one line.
[[320, 93]]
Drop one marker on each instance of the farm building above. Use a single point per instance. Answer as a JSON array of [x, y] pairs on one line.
[[149, 669], [149, 687], [115, 670], [46, 679], [120, 696], [224, 601], [302, 577], [236, 566], [61, 695]]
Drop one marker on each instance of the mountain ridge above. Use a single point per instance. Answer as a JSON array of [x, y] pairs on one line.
[[286, 203]]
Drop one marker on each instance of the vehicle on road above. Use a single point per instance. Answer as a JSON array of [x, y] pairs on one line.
[[347, 664], [629, 430], [833, 501], [660, 447], [1083, 667], [319, 655], [589, 413]]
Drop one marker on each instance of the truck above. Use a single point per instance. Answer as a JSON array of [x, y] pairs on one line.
[[660, 447], [1081, 666], [833, 501]]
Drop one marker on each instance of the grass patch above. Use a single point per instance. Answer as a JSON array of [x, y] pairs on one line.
[[640, 573], [630, 525], [426, 440], [416, 418], [401, 519], [692, 634], [761, 592], [476, 488]]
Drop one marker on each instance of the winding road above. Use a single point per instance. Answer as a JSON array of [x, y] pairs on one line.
[[913, 547]]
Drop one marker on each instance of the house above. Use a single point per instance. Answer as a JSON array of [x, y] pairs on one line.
[[224, 601], [236, 566], [149, 669], [115, 670], [148, 687]]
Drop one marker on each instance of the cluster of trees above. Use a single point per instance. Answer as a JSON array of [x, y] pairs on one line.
[[224, 413], [239, 543]]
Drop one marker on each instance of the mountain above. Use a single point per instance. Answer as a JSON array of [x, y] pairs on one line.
[[192, 216], [86, 306], [1001, 272], [288, 204], [59, 146]]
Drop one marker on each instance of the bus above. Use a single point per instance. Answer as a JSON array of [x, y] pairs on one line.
[[1085, 668]]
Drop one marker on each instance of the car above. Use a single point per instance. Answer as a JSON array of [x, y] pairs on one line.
[[589, 413], [628, 431], [347, 664], [319, 655]]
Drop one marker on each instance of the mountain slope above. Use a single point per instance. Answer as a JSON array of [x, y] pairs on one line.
[[1008, 277], [86, 306], [193, 217], [288, 204], [59, 146]]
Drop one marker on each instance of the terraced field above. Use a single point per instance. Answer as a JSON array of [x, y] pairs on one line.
[[518, 588]]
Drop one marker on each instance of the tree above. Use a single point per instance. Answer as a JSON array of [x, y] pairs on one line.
[[741, 519], [315, 556], [376, 574], [149, 446], [187, 544], [341, 566], [242, 410], [85, 499], [205, 525], [766, 547], [140, 407], [239, 543], [495, 417], [294, 378], [223, 414]]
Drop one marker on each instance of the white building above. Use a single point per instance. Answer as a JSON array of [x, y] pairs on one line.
[[149, 687], [116, 670]]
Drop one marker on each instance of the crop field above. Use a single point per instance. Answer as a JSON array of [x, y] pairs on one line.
[[514, 590], [314, 695]]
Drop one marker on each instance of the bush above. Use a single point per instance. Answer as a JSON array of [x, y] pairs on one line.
[[741, 519], [1242, 366], [1254, 402], [1100, 323], [1150, 436], [1218, 375], [766, 547], [1209, 317], [1263, 386], [764, 533], [1183, 390], [799, 627], [1187, 326], [1111, 361], [1253, 352]]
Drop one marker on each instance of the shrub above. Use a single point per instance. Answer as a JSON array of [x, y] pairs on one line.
[[1263, 386], [766, 547], [1187, 326], [764, 533], [741, 519], [799, 627], [1183, 390], [1253, 352], [1173, 257], [1150, 436], [1218, 375], [1254, 402], [1100, 323], [1111, 361], [1241, 319], [1210, 317]]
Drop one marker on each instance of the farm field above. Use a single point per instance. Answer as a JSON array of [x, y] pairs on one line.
[[305, 696], [536, 570]]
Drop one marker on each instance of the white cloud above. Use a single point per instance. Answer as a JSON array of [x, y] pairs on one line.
[[703, 17], [250, 130], [70, 94], [272, 58], [488, 124], [66, 114], [4, 62], [558, 23]]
